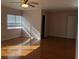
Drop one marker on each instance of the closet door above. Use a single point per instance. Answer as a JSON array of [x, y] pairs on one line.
[[72, 22]]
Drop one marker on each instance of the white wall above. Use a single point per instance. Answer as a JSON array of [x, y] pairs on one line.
[[3, 23], [5, 33], [34, 18], [59, 25], [72, 23]]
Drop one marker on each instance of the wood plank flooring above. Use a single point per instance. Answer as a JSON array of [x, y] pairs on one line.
[[49, 48]]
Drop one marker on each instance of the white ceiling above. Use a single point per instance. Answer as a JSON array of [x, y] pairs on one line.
[[59, 4], [18, 5], [45, 4]]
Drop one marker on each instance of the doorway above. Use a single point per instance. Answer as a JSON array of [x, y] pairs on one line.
[[43, 27]]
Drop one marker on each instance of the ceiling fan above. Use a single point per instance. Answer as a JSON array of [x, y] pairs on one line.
[[26, 3]]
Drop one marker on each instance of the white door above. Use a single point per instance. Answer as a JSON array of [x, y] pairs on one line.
[[72, 22]]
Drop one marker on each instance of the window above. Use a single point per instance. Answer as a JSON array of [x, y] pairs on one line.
[[13, 21]]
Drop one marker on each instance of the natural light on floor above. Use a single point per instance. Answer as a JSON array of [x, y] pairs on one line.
[[18, 50]]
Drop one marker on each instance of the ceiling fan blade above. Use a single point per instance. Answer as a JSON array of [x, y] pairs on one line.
[[25, 1], [31, 5], [34, 2]]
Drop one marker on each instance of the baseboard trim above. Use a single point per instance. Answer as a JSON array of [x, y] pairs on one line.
[[8, 39], [59, 37]]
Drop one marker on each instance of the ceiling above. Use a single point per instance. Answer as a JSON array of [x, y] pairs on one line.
[[18, 5], [59, 4], [44, 4]]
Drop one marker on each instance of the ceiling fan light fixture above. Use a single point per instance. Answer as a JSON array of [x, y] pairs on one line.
[[24, 5]]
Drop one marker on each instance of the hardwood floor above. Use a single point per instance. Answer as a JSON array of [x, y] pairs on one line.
[[58, 48], [49, 48]]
